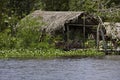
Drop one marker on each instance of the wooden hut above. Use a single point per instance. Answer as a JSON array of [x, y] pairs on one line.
[[75, 27]]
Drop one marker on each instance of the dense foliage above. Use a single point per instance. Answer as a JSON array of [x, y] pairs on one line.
[[12, 11]]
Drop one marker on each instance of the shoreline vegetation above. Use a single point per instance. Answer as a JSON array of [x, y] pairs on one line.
[[22, 28], [25, 44], [48, 54]]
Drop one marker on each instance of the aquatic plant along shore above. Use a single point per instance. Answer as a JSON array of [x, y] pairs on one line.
[[47, 54]]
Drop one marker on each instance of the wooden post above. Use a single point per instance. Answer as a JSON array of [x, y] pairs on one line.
[[103, 38], [98, 29], [98, 40], [67, 36], [84, 32]]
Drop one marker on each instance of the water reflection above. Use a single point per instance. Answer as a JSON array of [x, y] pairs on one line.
[[60, 69]]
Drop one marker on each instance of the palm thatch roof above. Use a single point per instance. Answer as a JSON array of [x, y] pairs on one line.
[[57, 20], [112, 29]]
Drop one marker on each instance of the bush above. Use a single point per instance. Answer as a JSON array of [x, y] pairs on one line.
[[90, 44], [6, 40], [27, 35], [28, 32]]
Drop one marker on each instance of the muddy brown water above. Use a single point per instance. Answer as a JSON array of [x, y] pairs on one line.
[[61, 69]]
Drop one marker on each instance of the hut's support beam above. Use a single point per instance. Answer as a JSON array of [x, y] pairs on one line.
[[65, 34], [68, 35], [84, 32]]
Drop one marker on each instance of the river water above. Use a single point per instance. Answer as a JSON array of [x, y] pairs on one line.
[[60, 69]]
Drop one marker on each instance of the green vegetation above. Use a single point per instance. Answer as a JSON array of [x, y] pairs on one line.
[[19, 37], [27, 35], [47, 54]]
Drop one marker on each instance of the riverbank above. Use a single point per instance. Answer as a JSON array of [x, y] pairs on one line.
[[47, 53]]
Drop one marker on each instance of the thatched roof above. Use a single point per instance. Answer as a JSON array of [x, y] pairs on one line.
[[112, 29], [57, 20]]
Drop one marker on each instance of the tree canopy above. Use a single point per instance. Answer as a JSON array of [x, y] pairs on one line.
[[13, 10]]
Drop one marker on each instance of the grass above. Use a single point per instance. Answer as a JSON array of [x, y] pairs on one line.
[[47, 54]]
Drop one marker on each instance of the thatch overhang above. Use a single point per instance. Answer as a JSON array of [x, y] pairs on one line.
[[57, 20]]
